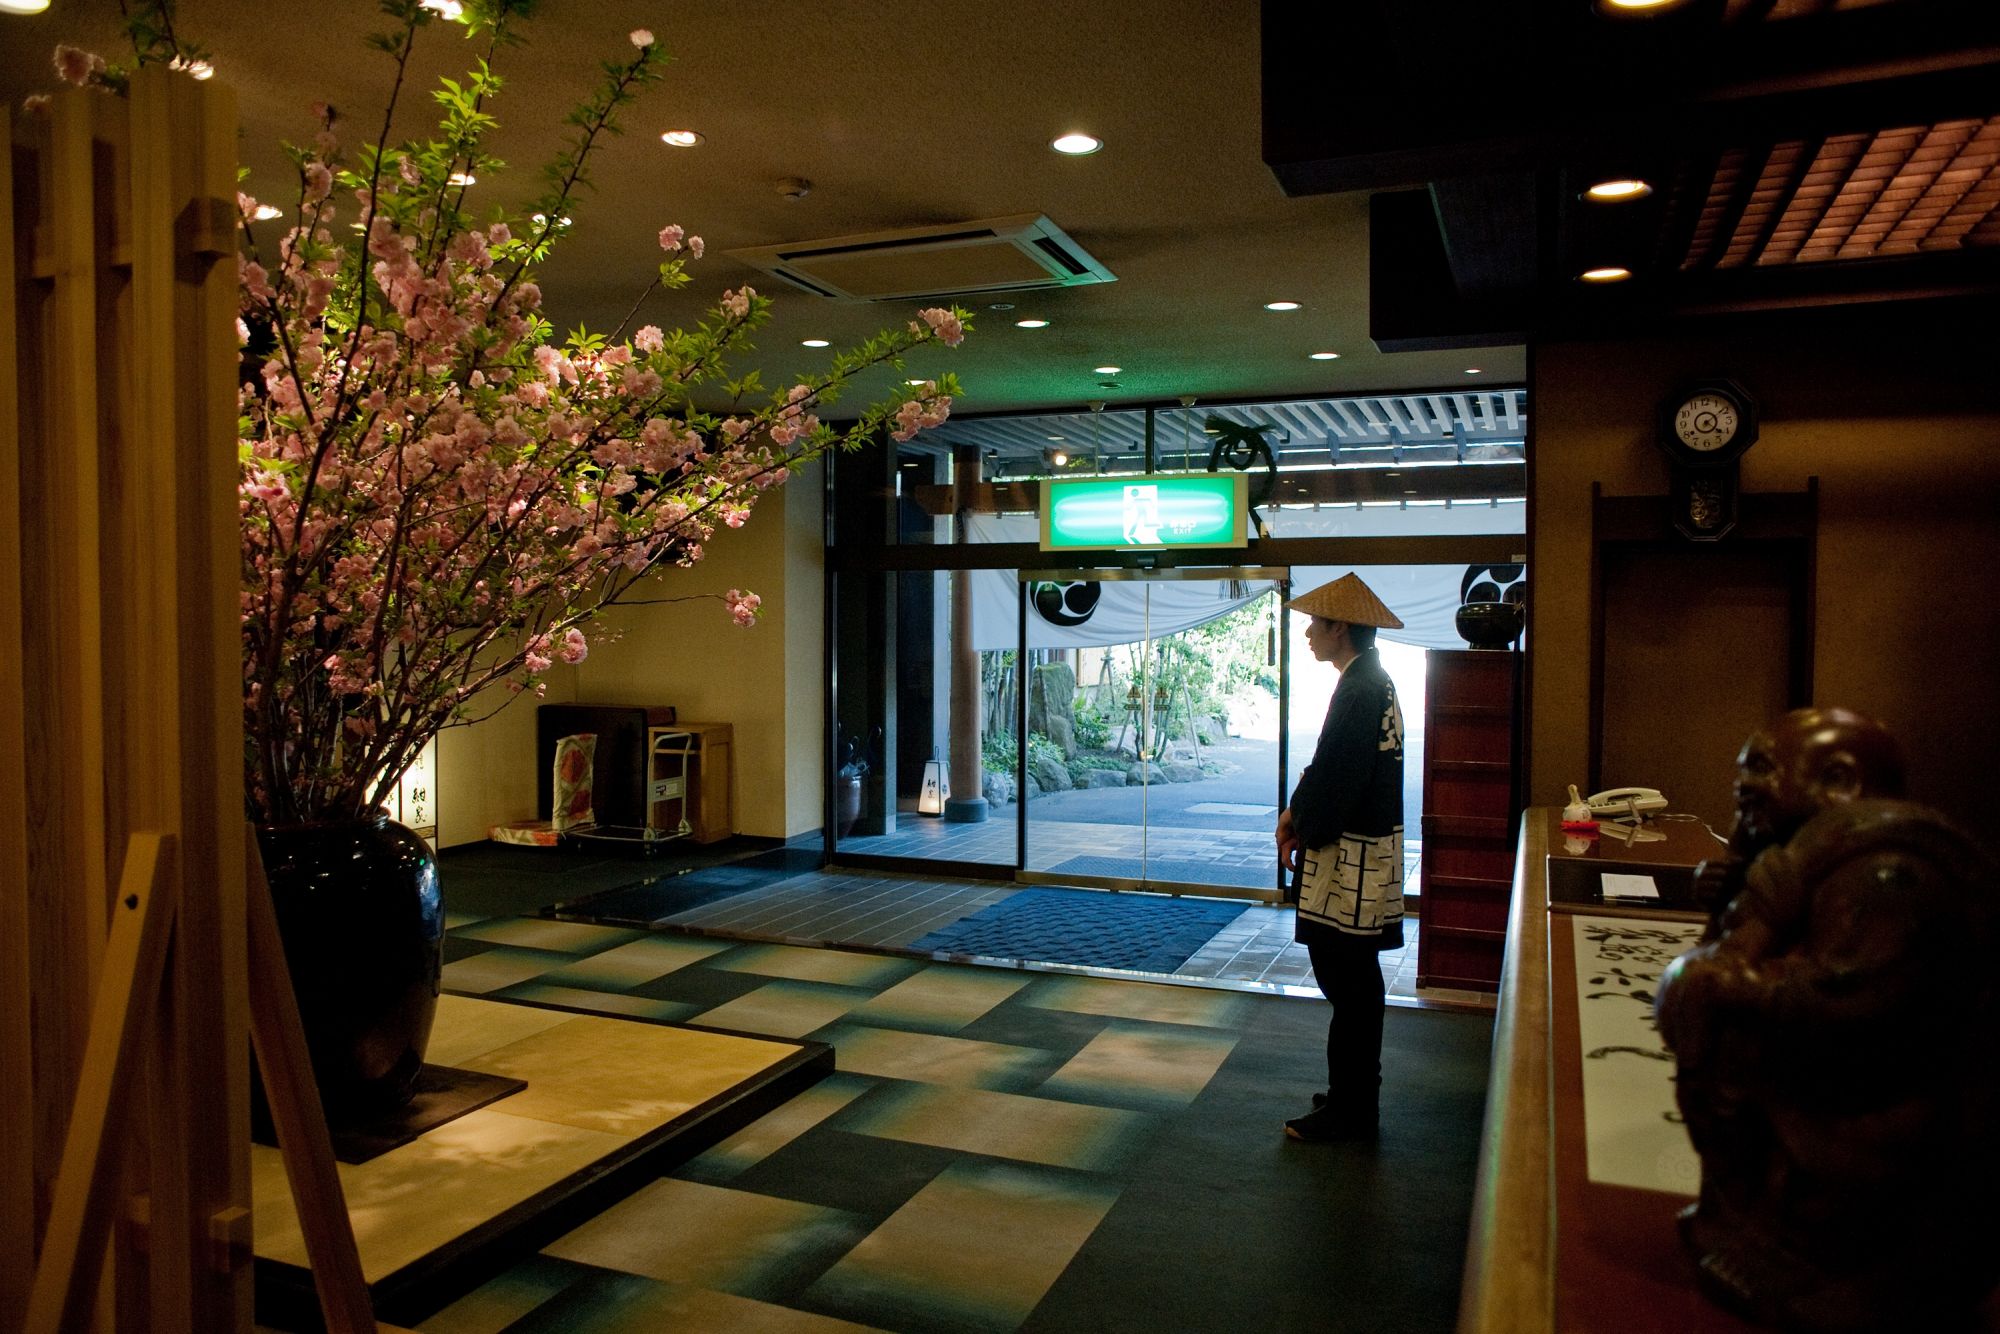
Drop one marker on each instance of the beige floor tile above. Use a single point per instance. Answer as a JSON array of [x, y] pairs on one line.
[[1142, 1065], [711, 1237], [838, 967], [941, 1000], [1137, 1000], [1003, 1125], [783, 1009], [976, 1249], [930, 1058], [539, 933]]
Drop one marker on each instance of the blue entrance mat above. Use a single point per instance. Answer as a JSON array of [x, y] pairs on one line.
[[1142, 932]]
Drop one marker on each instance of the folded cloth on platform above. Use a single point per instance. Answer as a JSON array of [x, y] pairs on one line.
[[526, 833]]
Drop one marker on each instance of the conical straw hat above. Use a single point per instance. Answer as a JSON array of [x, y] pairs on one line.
[[1347, 599]]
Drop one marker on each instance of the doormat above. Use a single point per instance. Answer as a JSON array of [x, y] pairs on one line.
[[444, 1094], [1140, 932], [1230, 808], [1160, 870]]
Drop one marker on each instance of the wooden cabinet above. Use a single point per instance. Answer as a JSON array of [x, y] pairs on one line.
[[1470, 816]]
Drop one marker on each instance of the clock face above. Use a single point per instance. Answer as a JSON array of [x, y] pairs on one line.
[[1706, 421]]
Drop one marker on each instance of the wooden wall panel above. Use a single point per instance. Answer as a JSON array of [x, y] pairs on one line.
[[17, 1180]]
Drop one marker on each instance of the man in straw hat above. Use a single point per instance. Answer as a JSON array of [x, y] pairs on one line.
[[1342, 835]]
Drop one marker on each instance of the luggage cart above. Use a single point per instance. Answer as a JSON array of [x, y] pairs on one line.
[[668, 752]]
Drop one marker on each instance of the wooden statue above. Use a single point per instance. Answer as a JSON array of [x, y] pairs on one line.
[[1835, 1034]]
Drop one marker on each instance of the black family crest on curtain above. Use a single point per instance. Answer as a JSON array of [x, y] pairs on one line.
[[1065, 604]]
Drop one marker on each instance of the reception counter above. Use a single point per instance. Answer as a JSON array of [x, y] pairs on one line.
[[1583, 1163]]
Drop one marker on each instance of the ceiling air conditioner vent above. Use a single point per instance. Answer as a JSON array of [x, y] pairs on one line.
[[958, 259]]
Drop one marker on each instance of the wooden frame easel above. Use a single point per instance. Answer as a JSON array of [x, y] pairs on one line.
[[122, 1027]]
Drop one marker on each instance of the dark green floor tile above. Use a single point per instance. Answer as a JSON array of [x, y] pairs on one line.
[[513, 1294], [862, 1174], [699, 985], [1061, 1033], [458, 947]]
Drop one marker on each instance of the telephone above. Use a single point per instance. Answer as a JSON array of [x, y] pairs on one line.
[[1625, 803]]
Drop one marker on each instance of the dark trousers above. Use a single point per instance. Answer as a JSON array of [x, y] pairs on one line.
[[1349, 972]]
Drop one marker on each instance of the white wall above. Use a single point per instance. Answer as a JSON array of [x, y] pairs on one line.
[[767, 681]]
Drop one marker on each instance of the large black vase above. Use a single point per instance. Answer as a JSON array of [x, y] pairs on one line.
[[363, 926]]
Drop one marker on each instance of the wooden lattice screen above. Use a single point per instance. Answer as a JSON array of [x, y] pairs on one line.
[[120, 720]]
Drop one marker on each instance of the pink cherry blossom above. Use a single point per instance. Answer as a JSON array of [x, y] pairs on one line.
[[944, 324], [77, 66], [432, 478], [642, 38]]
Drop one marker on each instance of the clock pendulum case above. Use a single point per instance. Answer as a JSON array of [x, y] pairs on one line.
[[1703, 431]]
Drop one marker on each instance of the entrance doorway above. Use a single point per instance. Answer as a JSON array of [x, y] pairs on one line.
[[1154, 729]]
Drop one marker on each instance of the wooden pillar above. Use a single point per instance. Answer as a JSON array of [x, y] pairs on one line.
[[968, 780], [120, 677]]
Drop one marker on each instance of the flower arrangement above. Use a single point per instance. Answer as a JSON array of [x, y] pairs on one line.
[[437, 492]]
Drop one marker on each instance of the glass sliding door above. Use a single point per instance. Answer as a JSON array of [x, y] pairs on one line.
[[1148, 705]]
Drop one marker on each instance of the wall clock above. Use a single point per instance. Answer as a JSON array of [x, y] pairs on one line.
[[1704, 430], [1708, 424]]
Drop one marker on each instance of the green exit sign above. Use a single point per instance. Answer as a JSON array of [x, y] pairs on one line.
[[1149, 510]]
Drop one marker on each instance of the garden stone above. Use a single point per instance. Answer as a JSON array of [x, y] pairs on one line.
[[1052, 705], [1097, 778], [1144, 773], [1182, 771], [1033, 789], [1051, 775], [998, 789]]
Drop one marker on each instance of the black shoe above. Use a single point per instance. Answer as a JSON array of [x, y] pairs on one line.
[[1326, 1125]]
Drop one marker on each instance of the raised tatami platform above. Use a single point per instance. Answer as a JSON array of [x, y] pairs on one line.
[[609, 1103]]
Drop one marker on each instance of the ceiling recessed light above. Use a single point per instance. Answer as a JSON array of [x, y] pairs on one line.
[[913, 382], [1634, 6], [1281, 305], [266, 212], [1076, 145], [23, 6], [1001, 305], [449, 10], [1031, 324], [1106, 370], [1324, 356], [1059, 458], [1056, 437], [1606, 273], [814, 342], [1475, 370], [462, 178], [1612, 191], [681, 138]]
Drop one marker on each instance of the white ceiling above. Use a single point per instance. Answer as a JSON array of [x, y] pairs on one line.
[[901, 114]]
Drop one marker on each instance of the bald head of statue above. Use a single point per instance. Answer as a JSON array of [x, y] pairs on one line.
[[1801, 764]]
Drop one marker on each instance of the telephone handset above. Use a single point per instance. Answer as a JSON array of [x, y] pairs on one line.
[[1625, 803]]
